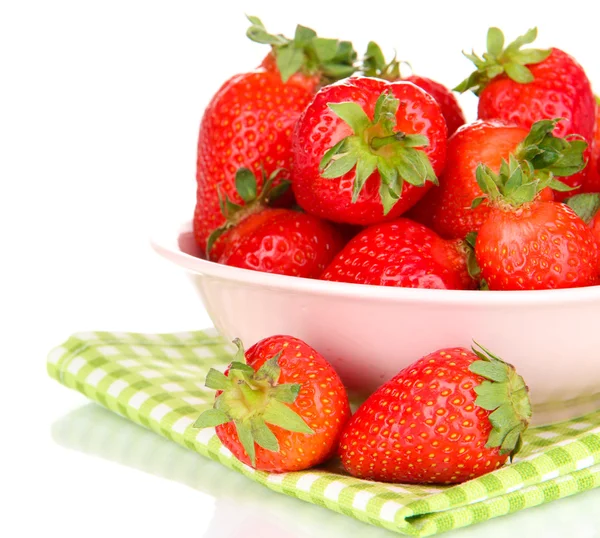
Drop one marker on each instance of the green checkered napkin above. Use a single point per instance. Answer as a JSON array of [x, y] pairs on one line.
[[157, 380]]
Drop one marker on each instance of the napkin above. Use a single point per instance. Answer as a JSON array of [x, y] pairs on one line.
[[157, 381]]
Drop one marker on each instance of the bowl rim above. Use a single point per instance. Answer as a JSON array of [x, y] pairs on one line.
[[165, 241]]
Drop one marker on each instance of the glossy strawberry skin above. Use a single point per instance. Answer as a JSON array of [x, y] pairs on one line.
[[422, 426], [451, 110], [401, 253], [592, 178], [595, 227], [318, 129], [248, 123], [541, 245], [322, 403], [282, 241], [560, 89]]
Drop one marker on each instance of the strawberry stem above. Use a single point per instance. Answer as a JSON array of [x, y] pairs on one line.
[[307, 53], [378, 142], [246, 186], [252, 400], [400, 161], [510, 60], [536, 163], [375, 65], [505, 393]]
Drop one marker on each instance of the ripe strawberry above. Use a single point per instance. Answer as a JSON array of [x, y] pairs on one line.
[[592, 178], [375, 65], [526, 244], [279, 241], [595, 226], [524, 86], [447, 208], [366, 150], [587, 207], [402, 253], [248, 122], [451, 416], [279, 407]]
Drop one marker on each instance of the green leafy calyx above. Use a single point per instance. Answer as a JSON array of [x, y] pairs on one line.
[[511, 60], [253, 400], [535, 165], [468, 247], [254, 202], [376, 145], [587, 205], [375, 65], [505, 393], [306, 53]]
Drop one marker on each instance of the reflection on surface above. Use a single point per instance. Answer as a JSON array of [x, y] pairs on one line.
[[242, 504]]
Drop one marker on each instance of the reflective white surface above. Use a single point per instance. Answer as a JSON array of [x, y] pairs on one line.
[[99, 110]]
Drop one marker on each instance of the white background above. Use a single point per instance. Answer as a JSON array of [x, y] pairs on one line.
[[100, 103]]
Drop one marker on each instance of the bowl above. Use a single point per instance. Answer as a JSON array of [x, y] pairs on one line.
[[369, 333]]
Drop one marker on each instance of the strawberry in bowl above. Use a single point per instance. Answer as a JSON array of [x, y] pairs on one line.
[[402, 253], [273, 240], [522, 86], [365, 150], [249, 121], [448, 209]]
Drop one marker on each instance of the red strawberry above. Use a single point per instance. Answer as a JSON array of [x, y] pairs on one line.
[[451, 110], [587, 207], [451, 416], [279, 241], [524, 86], [375, 65], [366, 150], [282, 241], [592, 178], [595, 226], [249, 121], [447, 208], [402, 253], [279, 407], [526, 244]]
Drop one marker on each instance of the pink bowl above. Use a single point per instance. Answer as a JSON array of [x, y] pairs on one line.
[[369, 333]]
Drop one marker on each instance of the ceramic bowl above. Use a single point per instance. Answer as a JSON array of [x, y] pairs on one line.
[[369, 333]]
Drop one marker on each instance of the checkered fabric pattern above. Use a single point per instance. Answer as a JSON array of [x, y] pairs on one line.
[[157, 380]]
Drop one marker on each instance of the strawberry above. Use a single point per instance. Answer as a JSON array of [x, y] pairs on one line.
[[280, 406], [522, 86], [447, 208], [595, 226], [366, 150], [375, 65], [451, 416], [248, 122], [402, 253], [260, 238], [587, 207], [592, 178], [528, 244]]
